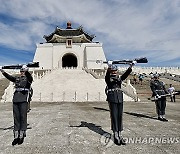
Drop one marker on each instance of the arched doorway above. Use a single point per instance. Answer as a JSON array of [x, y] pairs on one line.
[[69, 60]]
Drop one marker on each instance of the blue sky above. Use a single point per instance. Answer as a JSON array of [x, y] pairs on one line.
[[127, 28]]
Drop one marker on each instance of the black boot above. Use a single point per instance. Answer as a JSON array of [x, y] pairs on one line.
[[164, 119], [122, 141], [15, 141], [117, 140], [16, 137], [21, 140], [22, 134], [159, 118]]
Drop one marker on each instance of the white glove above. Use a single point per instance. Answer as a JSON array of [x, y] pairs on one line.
[[157, 96], [110, 63], [134, 62], [24, 68]]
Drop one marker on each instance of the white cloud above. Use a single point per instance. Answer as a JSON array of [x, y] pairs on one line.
[[135, 27]]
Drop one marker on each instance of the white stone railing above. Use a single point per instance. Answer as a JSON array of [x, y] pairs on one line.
[[35, 74], [148, 70], [66, 68], [69, 96], [97, 75], [38, 75], [62, 96], [130, 90], [136, 69]]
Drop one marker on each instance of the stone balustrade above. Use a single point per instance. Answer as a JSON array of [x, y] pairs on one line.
[[101, 74], [148, 70]]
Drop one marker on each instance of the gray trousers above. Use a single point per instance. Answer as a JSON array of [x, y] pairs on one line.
[[20, 117], [116, 113], [161, 106]]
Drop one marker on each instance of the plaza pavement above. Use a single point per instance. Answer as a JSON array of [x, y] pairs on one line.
[[77, 128]]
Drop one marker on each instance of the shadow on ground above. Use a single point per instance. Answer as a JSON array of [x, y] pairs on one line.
[[139, 115]]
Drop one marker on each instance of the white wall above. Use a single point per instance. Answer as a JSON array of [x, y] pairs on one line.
[[43, 55], [94, 52], [49, 55]]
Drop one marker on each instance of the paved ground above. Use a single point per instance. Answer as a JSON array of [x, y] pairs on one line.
[[85, 128]]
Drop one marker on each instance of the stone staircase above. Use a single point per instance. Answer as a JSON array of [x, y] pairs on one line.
[[65, 85], [70, 85]]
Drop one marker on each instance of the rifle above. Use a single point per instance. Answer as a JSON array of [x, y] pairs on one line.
[[174, 93], [19, 66], [127, 61]]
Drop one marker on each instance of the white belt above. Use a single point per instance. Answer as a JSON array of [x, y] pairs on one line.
[[22, 89], [115, 89]]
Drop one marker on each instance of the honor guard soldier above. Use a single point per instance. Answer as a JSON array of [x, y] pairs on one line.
[[115, 99], [20, 102], [159, 92]]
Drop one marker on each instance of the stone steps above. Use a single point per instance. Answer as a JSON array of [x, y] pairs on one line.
[[69, 85]]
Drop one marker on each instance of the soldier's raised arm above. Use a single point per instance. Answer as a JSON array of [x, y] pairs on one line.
[[107, 77], [128, 71], [9, 77], [29, 76]]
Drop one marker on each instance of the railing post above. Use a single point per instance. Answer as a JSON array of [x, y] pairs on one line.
[[75, 96], [52, 97], [87, 96], [40, 97], [5, 97], [99, 96], [63, 96]]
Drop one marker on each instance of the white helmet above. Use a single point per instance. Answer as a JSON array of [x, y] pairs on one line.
[[24, 68]]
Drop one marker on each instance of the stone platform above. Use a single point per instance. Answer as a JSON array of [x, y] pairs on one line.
[[85, 128]]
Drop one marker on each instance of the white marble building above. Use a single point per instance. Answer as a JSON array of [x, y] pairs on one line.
[[69, 48]]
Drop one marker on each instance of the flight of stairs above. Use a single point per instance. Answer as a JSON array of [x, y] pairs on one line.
[[69, 85], [65, 85]]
